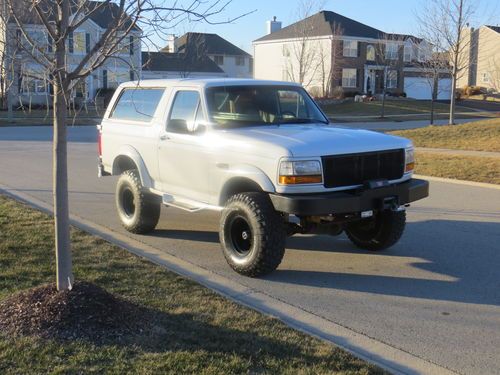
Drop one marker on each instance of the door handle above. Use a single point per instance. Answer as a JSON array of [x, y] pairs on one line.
[[164, 137]]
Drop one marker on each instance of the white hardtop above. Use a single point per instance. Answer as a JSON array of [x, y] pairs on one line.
[[205, 82]]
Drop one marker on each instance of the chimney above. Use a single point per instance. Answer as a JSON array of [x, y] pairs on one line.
[[170, 47], [272, 26]]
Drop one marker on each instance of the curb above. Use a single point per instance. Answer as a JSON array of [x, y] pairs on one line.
[[390, 358], [459, 182]]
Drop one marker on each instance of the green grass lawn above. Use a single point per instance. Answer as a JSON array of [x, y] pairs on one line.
[[479, 136], [470, 168], [392, 107], [198, 331]]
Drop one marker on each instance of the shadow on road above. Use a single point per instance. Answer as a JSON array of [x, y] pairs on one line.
[[469, 258]]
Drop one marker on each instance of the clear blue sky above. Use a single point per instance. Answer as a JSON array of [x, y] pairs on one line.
[[396, 16]]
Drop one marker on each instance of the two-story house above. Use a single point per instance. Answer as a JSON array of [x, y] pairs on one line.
[[235, 62], [327, 51], [480, 59], [27, 79]]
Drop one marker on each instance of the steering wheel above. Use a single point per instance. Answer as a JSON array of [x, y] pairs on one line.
[[288, 113]]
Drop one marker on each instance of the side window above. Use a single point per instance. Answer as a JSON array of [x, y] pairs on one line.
[[136, 104], [185, 110]]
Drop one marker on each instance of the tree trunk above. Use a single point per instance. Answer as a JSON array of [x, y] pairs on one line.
[[456, 52], [382, 115], [60, 162], [432, 111], [61, 207], [453, 89]]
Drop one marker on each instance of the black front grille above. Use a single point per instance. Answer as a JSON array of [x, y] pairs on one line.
[[356, 169]]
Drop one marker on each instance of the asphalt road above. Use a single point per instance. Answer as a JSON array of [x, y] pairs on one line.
[[436, 294]]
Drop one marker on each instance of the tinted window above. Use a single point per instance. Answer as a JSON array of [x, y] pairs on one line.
[[185, 106], [137, 104]]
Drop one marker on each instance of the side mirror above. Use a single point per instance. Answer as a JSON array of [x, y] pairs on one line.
[[177, 126]]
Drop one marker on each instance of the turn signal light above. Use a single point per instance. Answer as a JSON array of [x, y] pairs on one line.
[[294, 180], [410, 167]]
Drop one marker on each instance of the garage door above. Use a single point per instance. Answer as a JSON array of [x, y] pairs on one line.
[[419, 88]]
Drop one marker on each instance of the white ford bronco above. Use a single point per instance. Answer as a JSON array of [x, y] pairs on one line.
[[262, 153]]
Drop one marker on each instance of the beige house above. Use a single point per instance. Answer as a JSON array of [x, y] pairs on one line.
[[27, 80], [481, 58]]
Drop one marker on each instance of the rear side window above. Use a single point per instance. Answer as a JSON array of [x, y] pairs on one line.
[[136, 104]]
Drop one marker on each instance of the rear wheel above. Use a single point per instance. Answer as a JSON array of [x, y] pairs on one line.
[[378, 233], [252, 234], [138, 210]]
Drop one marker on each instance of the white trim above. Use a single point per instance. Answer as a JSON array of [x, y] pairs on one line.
[[331, 37]]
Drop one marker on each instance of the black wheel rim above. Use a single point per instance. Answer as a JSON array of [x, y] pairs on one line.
[[128, 202], [365, 230], [241, 235]]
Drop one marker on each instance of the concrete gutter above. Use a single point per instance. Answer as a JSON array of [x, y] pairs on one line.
[[390, 358]]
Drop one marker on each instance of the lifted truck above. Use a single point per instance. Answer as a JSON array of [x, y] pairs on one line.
[[262, 153]]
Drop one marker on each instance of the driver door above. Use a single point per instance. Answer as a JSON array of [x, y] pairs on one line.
[[182, 154]]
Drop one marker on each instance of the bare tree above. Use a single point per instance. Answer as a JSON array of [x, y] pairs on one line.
[[447, 20], [433, 62], [330, 60], [389, 55], [302, 55], [59, 19]]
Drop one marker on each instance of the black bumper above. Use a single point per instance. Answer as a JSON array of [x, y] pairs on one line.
[[348, 201]]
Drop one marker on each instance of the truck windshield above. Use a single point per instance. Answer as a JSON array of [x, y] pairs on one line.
[[234, 106]]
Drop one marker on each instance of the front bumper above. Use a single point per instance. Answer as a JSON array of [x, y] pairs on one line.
[[343, 202]]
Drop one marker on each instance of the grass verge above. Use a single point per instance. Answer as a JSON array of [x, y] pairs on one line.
[[470, 168], [392, 107], [196, 330], [481, 135]]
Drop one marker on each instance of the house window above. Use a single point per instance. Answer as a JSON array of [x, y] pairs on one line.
[[240, 61], [349, 78], [219, 60], [104, 79], [350, 48], [370, 53], [486, 77], [131, 45], [408, 52], [87, 42], [79, 43], [71, 44], [392, 79], [285, 51], [391, 51], [131, 75]]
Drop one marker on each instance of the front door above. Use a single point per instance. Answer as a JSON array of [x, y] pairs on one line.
[[182, 149]]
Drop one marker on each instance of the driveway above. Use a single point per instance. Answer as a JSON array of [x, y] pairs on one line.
[[435, 295]]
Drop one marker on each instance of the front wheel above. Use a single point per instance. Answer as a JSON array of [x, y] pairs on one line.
[[252, 234], [138, 210], [378, 233]]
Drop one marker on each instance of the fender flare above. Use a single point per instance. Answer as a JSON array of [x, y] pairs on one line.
[[240, 173], [131, 153]]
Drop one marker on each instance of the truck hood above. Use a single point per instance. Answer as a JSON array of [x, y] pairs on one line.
[[313, 140]]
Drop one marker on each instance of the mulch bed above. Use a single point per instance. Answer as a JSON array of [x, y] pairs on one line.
[[86, 312]]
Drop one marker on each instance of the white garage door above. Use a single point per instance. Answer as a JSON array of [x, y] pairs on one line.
[[419, 88]]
